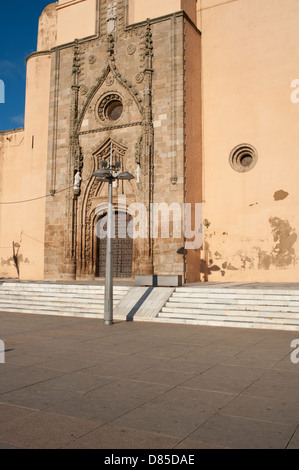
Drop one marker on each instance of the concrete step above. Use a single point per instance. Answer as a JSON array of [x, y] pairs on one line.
[[230, 324], [234, 299], [188, 306], [54, 312], [58, 290], [227, 311], [57, 299], [44, 297], [234, 307], [229, 318], [236, 292], [37, 303], [243, 308], [238, 295], [56, 305], [216, 314]]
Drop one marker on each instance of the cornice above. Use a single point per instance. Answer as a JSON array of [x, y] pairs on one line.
[[68, 4], [12, 131], [159, 19]]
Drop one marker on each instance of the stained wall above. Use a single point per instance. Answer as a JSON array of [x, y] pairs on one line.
[[250, 58]]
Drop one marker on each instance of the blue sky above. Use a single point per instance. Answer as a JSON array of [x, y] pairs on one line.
[[18, 38]]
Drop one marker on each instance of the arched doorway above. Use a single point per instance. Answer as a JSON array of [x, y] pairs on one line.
[[122, 247]]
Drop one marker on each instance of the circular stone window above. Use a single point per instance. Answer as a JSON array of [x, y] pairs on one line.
[[114, 110], [110, 108], [243, 158]]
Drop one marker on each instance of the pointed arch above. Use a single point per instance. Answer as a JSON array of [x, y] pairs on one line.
[[89, 205], [91, 95], [102, 153], [121, 80]]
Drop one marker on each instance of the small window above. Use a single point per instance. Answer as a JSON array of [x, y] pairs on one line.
[[114, 110], [243, 158], [110, 108]]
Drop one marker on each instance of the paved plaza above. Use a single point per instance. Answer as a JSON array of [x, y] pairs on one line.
[[76, 384]]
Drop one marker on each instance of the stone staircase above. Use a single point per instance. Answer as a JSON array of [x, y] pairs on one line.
[[75, 300], [242, 307], [233, 307]]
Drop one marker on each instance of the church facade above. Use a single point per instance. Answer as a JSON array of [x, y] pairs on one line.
[[198, 101]]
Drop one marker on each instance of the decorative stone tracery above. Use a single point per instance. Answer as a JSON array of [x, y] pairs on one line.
[[109, 101], [93, 190], [95, 102]]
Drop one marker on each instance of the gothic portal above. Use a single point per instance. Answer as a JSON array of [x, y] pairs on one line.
[[122, 247], [122, 91]]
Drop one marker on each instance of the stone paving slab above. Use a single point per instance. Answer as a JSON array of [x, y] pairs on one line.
[[70, 383], [240, 433]]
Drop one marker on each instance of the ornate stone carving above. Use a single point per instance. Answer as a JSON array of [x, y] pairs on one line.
[[148, 46], [77, 183], [77, 180], [138, 174], [92, 59], [103, 108], [103, 153], [139, 77], [131, 49], [93, 190], [90, 95], [111, 17], [129, 102], [88, 222], [83, 90], [110, 46], [76, 59], [75, 149], [111, 128], [110, 80], [78, 156], [138, 147]]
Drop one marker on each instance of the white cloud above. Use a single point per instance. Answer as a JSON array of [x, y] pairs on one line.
[[11, 70], [19, 120]]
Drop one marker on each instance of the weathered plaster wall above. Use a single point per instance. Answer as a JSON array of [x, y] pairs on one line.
[[250, 57], [76, 19], [11, 166], [140, 10], [35, 161], [23, 160], [47, 28]]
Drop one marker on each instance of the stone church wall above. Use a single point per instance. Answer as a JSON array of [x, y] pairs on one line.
[[206, 118], [143, 65]]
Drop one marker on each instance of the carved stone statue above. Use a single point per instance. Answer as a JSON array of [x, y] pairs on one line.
[[138, 174], [78, 180], [111, 18]]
